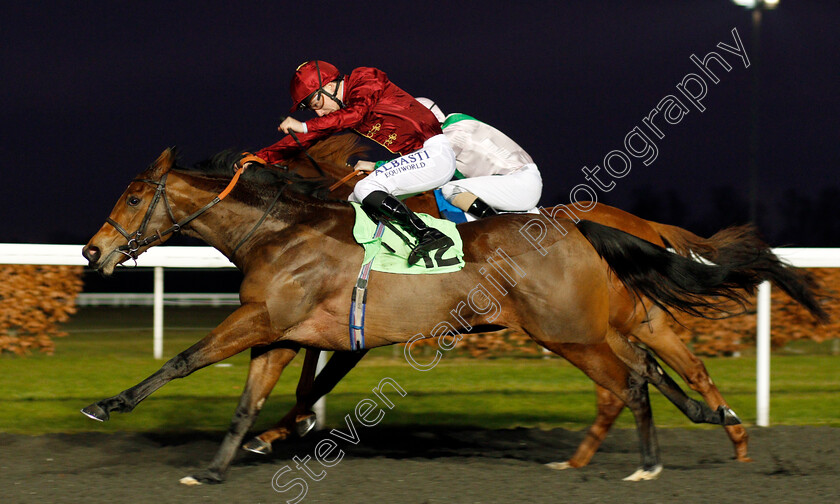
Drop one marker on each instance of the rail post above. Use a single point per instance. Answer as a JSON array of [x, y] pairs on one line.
[[320, 407], [157, 333], [762, 341]]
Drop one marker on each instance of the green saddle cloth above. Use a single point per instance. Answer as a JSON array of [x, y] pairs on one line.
[[445, 261]]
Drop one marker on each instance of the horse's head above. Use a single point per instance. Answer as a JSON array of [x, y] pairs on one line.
[[135, 220]]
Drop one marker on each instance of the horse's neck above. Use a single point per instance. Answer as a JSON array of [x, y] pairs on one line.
[[232, 223], [306, 168], [331, 154], [217, 226]]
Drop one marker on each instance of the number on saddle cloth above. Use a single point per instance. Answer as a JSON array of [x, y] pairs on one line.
[[428, 262]]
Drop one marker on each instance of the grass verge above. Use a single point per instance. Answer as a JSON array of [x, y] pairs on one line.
[[43, 394]]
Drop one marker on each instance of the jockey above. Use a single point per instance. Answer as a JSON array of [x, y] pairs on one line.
[[367, 102], [495, 172]]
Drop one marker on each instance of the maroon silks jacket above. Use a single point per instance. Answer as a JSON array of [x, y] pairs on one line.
[[374, 107]]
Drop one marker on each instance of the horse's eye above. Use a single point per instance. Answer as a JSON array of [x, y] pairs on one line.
[[133, 201]]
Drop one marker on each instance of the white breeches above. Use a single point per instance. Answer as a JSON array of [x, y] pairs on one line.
[[518, 191], [422, 170]]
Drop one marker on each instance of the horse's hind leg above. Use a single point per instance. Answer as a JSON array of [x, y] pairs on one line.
[[666, 343], [644, 364], [309, 390], [300, 418], [267, 364], [604, 368], [609, 407]]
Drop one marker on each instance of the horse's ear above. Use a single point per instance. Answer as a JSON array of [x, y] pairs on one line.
[[163, 163]]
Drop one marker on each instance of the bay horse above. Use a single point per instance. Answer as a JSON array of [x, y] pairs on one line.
[[653, 327], [300, 261]]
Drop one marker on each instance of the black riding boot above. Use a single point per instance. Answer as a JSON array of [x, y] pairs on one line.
[[428, 239], [481, 209]]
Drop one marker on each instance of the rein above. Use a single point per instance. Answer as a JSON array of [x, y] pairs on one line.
[[305, 151], [267, 211], [344, 179], [340, 182], [315, 163]]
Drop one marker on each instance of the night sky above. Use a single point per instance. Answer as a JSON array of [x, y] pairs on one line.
[[91, 95]]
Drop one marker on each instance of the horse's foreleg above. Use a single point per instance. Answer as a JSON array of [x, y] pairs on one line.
[[609, 407], [600, 364], [310, 389], [644, 364], [267, 364], [244, 328], [668, 346]]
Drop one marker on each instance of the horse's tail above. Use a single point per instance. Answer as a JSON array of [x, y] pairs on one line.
[[673, 281], [686, 243], [741, 244]]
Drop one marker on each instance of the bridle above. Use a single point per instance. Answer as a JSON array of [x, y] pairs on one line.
[[134, 242], [134, 239]]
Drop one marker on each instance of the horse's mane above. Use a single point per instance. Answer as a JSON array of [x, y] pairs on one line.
[[331, 154], [257, 186]]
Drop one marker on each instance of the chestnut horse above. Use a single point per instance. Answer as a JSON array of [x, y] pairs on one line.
[[658, 332], [300, 260]]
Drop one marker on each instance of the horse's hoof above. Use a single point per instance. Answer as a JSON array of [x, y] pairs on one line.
[[95, 412], [305, 425], [257, 445], [559, 465], [727, 416], [643, 474], [208, 477]]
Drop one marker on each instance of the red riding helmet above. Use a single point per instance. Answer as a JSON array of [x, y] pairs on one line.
[[310, 77]]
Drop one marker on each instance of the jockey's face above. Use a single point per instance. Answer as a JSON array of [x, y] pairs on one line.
[[322, 104]]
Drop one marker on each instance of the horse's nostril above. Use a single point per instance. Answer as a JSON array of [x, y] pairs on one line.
[[91, 253]]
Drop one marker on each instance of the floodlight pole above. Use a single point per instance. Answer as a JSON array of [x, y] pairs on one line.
[[754, 113], [762, 337]]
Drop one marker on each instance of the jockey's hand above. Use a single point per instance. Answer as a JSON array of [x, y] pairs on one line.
[[365, 166], [290, 124]]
